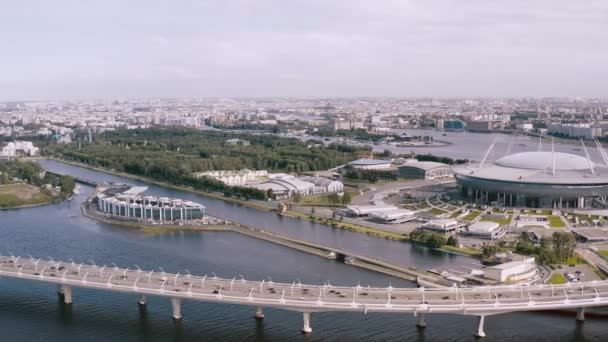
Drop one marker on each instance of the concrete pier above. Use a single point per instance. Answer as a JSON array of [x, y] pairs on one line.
[[480, 332], [420, 320], [580, 315], [176, 304], [306, 329], [259, 313], [142, 300], [65, 293]]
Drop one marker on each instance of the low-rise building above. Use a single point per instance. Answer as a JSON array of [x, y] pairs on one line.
[[511, 271], [368, 210], [445, 226], [19, 148], [370, 164], [393, 216], [485, 230], [128, 202], [425, 170]]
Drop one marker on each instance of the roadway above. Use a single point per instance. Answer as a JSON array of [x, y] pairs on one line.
[[306, 298]]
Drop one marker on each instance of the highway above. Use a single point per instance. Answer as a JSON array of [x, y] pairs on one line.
[[305, 298]]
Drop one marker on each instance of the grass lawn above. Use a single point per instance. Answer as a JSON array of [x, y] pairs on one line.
[[471, 216], [422, 205], [574, 260], [436, 212], [504, 222], [556, 222], [557, 278], [467, 251], [603, 253], [456, 214], [18, 194], [323, 200]]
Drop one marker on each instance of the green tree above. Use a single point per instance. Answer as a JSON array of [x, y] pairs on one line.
[[452, 241]]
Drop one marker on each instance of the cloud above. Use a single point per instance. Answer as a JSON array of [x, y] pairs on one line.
[[306, 47]]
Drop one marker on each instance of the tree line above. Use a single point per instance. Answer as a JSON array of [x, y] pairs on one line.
[[174, 154]]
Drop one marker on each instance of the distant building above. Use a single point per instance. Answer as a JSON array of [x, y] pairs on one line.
[[370, 164], [237, 142], [425, 170], [285, 187], [323, 184], [449, 124], [524, 126], [234, 177], [586, 131], [19, 148]]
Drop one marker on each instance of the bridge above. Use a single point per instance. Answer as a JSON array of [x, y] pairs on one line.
[[307, 299]]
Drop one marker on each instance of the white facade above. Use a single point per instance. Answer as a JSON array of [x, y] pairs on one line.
[[12, 149], [442, 225], [233, 177], [485, 230], [370, 164], [511, 271], [586, 131], [151, 208]]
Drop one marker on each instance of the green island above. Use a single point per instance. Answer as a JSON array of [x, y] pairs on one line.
[[26, 184]]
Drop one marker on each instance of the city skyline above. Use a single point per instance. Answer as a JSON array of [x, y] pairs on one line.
[[320, 49]]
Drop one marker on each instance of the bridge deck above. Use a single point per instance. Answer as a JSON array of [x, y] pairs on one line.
[[308, 298]]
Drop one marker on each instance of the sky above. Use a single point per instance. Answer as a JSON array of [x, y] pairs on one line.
[[106, 49]]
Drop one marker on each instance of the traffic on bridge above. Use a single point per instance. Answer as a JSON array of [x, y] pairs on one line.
[[305, 298]]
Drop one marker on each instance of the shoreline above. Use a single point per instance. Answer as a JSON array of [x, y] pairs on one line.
[[346, 226], [330, 253]]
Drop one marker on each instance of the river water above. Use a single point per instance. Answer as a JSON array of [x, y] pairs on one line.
[[31, 311]]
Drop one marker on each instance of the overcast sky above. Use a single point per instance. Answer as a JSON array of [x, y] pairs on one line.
[[127, 48]]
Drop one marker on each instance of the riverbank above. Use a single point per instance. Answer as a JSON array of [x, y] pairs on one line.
[[361, 261], [251, 204], [20, 196]]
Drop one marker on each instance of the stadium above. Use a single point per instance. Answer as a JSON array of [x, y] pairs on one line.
[[537, 179]]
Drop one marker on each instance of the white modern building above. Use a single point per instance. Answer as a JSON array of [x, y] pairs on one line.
[[285, 187], [234, 177], [370, 164], [581, 130], [445, 226], [323, 184], [127, 202], [17, 148], [393, 216], [368, 210], [485, 230], [511, 271]]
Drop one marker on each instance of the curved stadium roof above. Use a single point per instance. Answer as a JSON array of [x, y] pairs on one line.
[[542, 160]]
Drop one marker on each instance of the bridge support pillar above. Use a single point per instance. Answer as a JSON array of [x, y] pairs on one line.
[[580, 315], [176, 304], [66, 292], [259, 313], [142, 300], [420, 320], [306, 329], [480, 321]]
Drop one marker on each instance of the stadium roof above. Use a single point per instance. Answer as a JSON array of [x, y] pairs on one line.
[[543, 160]]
